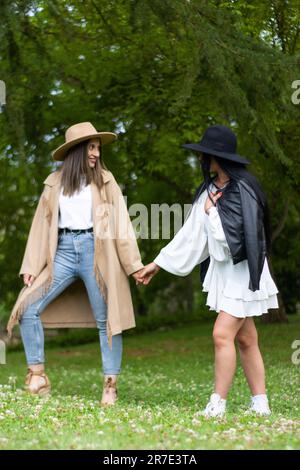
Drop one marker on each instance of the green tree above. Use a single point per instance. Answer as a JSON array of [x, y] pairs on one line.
[[158, 73]]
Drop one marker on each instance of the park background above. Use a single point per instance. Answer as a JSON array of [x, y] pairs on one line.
[[156, 72]]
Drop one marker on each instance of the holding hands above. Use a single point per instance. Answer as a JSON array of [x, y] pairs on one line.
[[144, 275]]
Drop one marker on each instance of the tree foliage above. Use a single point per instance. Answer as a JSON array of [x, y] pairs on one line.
[[157, 73]]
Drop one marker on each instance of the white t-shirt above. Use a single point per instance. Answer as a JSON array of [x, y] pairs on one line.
[[75, 212]]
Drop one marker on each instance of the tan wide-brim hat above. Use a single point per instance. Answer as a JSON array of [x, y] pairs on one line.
[[78, 133]]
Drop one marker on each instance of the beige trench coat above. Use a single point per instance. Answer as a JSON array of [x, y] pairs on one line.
[[116, 256]]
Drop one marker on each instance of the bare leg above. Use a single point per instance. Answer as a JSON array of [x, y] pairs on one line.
[[225, 330], [251, 358]]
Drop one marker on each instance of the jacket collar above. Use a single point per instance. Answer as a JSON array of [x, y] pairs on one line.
[[54, 177]]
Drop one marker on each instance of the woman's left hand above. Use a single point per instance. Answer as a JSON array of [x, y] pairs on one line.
[[145, 275], [208, 204]]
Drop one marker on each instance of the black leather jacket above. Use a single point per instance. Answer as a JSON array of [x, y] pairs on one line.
[[241, 215]]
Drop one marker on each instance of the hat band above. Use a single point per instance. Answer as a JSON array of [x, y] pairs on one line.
[[218, 146]]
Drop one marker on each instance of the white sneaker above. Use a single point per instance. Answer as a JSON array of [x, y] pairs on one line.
[[215, 408], [260, 405]]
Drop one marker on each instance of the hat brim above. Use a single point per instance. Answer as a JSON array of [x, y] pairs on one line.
[[228, 156], [105, 138]]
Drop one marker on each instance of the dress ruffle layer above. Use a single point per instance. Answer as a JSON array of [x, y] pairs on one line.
[[226, 291]]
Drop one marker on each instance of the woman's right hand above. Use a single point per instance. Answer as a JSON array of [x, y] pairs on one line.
[[28, 279]]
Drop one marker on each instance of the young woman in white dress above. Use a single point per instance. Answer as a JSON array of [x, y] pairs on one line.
[[202, 235]]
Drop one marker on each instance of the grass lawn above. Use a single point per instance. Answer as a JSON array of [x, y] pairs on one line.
[[166, 380]]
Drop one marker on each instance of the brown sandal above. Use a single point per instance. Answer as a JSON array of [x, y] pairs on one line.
[[42, 390], [110, 392]]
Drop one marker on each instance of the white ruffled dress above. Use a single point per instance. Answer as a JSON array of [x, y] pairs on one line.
[[226, 283]]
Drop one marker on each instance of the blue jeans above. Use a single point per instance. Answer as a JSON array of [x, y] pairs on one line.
[[74, 258]]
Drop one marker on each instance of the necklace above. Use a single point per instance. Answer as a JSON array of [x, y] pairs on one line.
[[221, 183]]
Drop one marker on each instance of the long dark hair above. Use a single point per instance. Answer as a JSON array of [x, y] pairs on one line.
[[76, 170], [237, 171]]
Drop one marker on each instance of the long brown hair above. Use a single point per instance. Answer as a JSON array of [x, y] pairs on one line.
[[76, 171]]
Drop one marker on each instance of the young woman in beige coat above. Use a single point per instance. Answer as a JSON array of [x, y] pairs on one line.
[[80, 251]]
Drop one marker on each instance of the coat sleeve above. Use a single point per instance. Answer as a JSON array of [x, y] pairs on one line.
[[35, 256], [254, 235], [188, 247], [127, 247]]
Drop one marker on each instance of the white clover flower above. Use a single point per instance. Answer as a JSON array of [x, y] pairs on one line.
[[195, 422]]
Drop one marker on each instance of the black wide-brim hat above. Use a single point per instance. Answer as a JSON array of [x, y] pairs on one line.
[[220, 141]]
